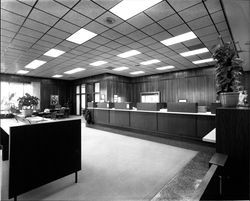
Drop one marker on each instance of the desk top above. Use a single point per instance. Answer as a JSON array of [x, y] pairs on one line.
[[6, 124], [160, 112], [210, 137]]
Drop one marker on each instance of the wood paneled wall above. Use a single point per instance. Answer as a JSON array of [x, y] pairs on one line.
[[194, 85], [47, 87], [110, 85]]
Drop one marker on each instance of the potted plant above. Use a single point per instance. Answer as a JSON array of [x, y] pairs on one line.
[[228, 74], [28, 104]]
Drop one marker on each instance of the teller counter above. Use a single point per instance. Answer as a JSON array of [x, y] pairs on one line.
[[159, 123]]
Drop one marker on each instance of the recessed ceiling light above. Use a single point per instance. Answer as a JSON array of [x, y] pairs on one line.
[[165, 67], [129, 53], [35, 64], [54, 53], [98, 63], [75, 70], [180, 38], [153, 61], [81, 36], [194, 52], [203, 61], [137, 72], [57, 76], [129, 8], [121, 68], [22, 72]]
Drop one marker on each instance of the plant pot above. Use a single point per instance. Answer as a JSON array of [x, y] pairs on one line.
[[27, 112], [229, 99]]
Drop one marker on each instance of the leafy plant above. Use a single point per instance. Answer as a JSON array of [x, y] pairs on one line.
[[27, 101], [228, 69]]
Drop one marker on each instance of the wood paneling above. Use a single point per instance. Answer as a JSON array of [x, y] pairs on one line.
[[177, 124], [143, 121], [120, 118], [194, 85]]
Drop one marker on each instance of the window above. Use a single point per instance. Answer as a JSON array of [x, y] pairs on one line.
[[97, 92], [11, 91], [150, 97], [80, 98]]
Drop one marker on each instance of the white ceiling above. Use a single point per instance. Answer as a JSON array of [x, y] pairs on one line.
[[29, 28]]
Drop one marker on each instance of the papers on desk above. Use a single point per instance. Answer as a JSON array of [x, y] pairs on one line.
[[35, 119]]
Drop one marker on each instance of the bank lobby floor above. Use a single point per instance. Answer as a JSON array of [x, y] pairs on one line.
[[119, 167]]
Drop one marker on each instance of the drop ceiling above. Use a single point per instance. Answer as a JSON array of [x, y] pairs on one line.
[[30, 28]]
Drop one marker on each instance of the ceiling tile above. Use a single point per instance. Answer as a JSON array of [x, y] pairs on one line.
[[16, 7], [58, 33], [67, 3], [107, 18], [124, 40], [113, 45], [107, 4], [45, 43], [222, 26], [51, 39], [179, 5], [218, 17], [213, 5], [76, 18], [200, 23], [152, 29], [124, 28], [148, 41], [43, 17], [160, 11], [100, 40], [140, 20], [179, 30], [137, 35], [89, 9], [29, 32], [172, 21], [82, 49], [111, 34], [205, 31], [194, 12], [28, 2], [192, 42], [135, 45], [95, 27], [9, 34], [91, 44], [68, 44], [9, 26], [162, 36], [10, 17], [209, 37], [52, 8], [36, 26], [65, 26]]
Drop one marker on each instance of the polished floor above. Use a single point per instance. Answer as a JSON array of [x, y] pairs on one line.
[[146, 176]]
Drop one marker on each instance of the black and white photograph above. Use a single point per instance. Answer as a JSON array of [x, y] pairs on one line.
[[125, 100]]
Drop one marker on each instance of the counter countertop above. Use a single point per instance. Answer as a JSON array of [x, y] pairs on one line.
[[5, 124], [161, 112]]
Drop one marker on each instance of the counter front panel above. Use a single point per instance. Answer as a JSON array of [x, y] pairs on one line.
[[179, 124]]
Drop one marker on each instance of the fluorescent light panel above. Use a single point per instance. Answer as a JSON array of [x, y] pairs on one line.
[[165, 67], [54, 53], [121, 68], [129, 8], [57, 76], [153, 61], [129, 54], [203, 61], [180, 38], [137, 72], [22, 72], [98, 63], [75, 70], [194, 52], [35, 64], [81, 36]]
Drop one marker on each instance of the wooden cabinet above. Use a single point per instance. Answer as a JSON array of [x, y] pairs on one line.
[[232, 138]]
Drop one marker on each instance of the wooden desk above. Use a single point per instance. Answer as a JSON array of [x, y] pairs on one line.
[[40, 152]]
